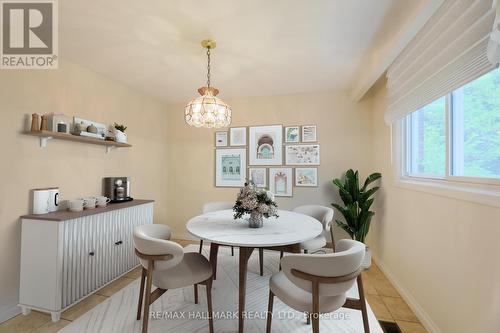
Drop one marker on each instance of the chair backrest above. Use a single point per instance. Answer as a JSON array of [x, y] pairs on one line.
[[346, 260], [320, 213], [153, 239], [215, 206]]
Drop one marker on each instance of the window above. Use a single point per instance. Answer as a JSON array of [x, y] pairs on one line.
[[457, 135]]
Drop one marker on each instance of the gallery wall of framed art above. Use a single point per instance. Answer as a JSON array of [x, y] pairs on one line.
[[275, 157]]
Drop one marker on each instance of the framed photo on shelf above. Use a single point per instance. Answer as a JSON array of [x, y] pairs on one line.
[[306, 177], [309, 133], [230, 167], [266, 145], [220, 139], [280, 182], [302, 155], [292, 134], [258, 176], [238, 136]]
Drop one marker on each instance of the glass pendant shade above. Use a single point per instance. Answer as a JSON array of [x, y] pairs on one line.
[[207, 110]]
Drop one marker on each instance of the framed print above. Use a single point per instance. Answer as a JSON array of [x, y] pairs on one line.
[[238, 136], [306, 177], [292, 134], [230, 167], [302, 155], [309, 133], [220, 139], [258, 176], [280, 182], [266, 145]]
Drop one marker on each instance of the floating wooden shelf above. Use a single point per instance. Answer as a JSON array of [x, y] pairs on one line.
[[47, 135]]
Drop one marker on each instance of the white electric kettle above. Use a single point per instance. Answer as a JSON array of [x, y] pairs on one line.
[[45, 200]]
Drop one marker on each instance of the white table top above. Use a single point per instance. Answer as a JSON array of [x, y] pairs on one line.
[[220, 227]]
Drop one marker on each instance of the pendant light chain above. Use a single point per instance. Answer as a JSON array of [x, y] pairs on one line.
[[208, 67]]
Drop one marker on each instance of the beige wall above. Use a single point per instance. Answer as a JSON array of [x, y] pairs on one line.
[[75, 167], [441, 252], [343, 132]]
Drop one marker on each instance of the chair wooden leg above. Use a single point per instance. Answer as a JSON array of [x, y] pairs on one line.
[[208, 285], [147, 301], [201, 246], [261, 261], [195, 294], [141, 293], [281, 256], [315, 313], [362, 300], [232, 251], [270, 312]]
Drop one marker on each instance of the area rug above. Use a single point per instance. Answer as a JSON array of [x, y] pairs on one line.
[[176, 312]]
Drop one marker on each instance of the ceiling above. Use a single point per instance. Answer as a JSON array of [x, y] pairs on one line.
[[264, 47]]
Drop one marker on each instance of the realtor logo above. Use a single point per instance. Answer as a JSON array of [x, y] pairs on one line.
[[29, 34]]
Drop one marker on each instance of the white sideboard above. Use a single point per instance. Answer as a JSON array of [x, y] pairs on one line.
[[66, 256]]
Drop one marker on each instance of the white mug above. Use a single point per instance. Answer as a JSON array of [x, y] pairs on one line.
[[76, 205], [90, 202], [102, 201]]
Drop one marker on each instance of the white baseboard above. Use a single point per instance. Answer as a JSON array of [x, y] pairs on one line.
[[8, 312], [421, 314]]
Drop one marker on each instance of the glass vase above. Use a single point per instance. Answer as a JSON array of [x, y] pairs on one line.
[[256, 220]]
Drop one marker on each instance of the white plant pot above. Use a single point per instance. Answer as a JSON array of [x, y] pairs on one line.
[[367, 260], [120, 136]]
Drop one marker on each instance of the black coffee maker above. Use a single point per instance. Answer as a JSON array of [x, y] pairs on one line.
[[117, 189]]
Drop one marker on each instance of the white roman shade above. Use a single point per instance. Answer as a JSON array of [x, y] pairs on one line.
[[448, 52]]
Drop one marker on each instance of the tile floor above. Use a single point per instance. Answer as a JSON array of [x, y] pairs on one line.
[[384, 300]]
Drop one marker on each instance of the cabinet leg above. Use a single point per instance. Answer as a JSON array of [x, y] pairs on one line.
[[25, 311], [55, 316]]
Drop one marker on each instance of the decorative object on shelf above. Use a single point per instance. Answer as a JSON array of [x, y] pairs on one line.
[[59, 122], [79, 127], [230, 167], [302, 155], [292, 134], [306, 177], [309, 133], [35, 122], [119, 133], [238, 136], [256, 202], [45, 123], [356, 210], [266, 144], [92, 129], [220, 139], [258, 176], [207, 110], [280, 182], [62, 128]]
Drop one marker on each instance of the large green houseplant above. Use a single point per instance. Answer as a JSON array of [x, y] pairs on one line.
[[357, 202]]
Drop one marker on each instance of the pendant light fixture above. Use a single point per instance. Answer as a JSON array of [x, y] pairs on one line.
[[207, 110]]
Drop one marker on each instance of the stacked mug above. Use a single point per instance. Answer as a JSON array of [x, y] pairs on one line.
[[79, 204]]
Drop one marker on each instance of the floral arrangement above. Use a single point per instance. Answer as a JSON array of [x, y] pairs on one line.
[[253, 200]]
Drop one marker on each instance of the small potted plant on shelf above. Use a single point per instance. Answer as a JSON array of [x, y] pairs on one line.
[[259, 203], [356, 210], [119, 133]]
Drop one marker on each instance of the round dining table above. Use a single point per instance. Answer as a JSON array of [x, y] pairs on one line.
[[282, 233]]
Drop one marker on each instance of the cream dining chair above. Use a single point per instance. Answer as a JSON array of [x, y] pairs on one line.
[[317, 283], [166, 266], [325, 216]]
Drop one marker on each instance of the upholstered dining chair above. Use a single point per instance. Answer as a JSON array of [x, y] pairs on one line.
[[213, 207], [325, 216], [166, 266], [317, 283]]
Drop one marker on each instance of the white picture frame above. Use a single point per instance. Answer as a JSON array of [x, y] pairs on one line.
[[302, 154], [258, 176], [230, 167], [266, 145], [292, 134], [220, 139], [238, 136], [280, 182], [309, 133], [306, 177]]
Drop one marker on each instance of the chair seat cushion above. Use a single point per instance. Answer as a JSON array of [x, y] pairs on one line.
[[314, 244], [194, 268], [299, 299]]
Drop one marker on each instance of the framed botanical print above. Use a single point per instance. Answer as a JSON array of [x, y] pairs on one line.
[[302, 155], [258, 176], [220, 139], [238, 136], [230, 167], [306, 177], [309, 133], [292, 134], [266, 145], [280, 182]]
